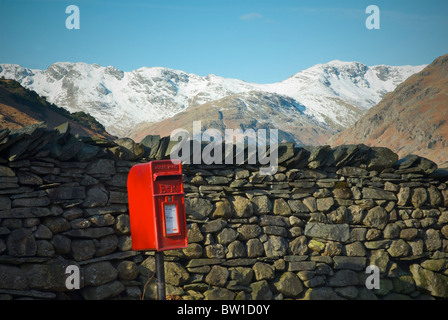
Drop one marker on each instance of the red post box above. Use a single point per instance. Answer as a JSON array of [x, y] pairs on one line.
[[156, 206]]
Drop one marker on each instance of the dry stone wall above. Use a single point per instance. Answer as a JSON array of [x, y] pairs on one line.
[[307, 232]]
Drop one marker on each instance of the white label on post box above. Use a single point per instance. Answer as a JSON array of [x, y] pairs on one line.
[[171, 219]]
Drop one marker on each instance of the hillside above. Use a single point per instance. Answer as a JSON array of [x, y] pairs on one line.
[[410, 120], [20, 107]]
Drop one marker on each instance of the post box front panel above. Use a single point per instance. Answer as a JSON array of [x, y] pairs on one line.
[[171, 222]]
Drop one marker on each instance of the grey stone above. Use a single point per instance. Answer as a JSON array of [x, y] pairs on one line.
[[249, 231], [219, 294], [44, 248], [5, 203], [101, 167], [96, 274], [199, 208], [289, 284], [404, 196], [217, 276], [66, 193], [392, 231], [298, 206], [57, 224], [131, 150], [399, 248], [104, 291], [263, 271], [97, 196], [90, 233], [352, 172], [82, 249], [216, 251], [49, 277], [335, 232], [324, 204], [299, 246], [12, 277], [355, 249], [275, 247], [378, 194], [301, 265], [43, 232], [243, 276], [122, 225], [31, 202], [344, 278], [349, 292], [311, 203], [175, 274], [321, 293], [21, 243], [435, 283], [381, 158], [242, 206], [214, 225], [269, 220], [419, 197], [281, 207], [351, 263], [236, 249], [223, 209], [376, 218], [194, 233], [227, 235], [61, 244], [261, 290], [432, 240], [151, 144], [254, 248], [88, 152], [261, 204], [435, 197]]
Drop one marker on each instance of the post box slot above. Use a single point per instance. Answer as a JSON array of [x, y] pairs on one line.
[[161, 175]]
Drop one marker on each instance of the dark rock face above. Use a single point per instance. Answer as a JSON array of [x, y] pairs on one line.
[[307, 232]]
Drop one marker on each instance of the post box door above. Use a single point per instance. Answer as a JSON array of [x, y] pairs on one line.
[[171, 222]]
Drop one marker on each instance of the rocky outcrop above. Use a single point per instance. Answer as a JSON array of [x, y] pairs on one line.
[[307, 232]]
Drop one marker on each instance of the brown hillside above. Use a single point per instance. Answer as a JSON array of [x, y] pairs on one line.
[[410, 120], [20, 107]]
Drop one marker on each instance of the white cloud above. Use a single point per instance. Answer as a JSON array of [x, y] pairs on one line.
[[251, 16]]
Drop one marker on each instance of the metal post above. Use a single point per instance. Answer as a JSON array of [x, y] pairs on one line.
[[160, 274]]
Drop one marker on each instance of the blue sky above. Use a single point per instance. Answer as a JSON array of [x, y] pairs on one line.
[[255, 40]]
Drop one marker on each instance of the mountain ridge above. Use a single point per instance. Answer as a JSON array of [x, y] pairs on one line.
[[121, 100]]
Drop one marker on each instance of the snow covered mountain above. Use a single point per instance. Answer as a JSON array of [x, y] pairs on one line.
[[334, 94]]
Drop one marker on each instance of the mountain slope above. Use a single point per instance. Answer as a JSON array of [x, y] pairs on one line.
[[20, 107], [335, 94], [251, 110], [413, 119]]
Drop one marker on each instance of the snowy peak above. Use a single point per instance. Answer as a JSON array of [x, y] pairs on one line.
[[335, 93]]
